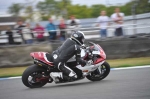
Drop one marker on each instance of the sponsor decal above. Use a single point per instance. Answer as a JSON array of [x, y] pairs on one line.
[[75, 35], [55, 56]]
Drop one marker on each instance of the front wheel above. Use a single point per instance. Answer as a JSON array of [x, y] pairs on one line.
[[100, 73], [34, 77]]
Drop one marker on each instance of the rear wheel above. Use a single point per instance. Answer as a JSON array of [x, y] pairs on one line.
[[100, 73], [34, 77]]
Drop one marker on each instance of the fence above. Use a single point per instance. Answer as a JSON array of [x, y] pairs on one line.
[[91, 32]]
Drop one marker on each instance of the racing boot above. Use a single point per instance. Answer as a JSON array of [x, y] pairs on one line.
[[73, 76]]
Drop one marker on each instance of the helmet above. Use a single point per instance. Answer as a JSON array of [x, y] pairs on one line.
[[78, 37]]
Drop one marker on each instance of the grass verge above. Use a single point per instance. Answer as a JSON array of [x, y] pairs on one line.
[[115, 63]]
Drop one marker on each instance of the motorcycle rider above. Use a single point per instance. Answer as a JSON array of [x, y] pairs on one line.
[[67, 50]]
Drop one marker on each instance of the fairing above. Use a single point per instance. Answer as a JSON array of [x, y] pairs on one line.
[[97, 50], [41, 56]]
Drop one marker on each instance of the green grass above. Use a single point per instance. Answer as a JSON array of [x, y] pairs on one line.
[[9, 72], [17, 71], [129, 62]]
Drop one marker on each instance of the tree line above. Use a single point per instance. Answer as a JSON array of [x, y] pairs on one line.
[[65, 8]]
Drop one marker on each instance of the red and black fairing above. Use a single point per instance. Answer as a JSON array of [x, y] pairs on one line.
[[42, 57], [101, 56]]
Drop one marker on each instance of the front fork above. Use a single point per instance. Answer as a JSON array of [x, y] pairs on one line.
[[100, 70]]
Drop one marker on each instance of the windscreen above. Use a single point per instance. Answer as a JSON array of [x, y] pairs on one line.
[[96, 48]]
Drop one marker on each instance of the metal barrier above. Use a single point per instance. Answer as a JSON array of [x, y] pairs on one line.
[[90, 33]]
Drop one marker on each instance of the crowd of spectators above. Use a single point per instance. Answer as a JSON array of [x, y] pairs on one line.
[[103, 21], [30, 34]]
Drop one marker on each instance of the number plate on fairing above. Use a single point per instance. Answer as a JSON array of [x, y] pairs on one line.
[[95, 52]]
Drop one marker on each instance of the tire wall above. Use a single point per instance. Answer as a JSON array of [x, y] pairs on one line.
[[19, 55], [126, 47]]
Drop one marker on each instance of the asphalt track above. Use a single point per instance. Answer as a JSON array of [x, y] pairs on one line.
[[120, 84]]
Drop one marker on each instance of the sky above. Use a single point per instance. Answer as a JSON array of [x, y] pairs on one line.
[[4, 5]]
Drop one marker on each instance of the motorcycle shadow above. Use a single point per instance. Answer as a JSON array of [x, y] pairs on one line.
[[73, 84], [70, 85]]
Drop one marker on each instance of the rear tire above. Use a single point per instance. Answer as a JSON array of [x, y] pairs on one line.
[[28, 72], [102, 76]]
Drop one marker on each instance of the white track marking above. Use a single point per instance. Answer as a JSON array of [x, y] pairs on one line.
[[122, 68], [135, 67]]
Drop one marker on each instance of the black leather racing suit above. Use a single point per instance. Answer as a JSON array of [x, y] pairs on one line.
[[67, 50]]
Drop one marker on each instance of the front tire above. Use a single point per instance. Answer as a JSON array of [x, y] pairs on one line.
[[33, 71], [97, 77]]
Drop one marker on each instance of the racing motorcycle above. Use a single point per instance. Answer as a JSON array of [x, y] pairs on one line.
[[43, 71]]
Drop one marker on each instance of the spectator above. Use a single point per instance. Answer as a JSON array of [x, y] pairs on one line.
[[117, 17], [31, 29], [40, 32], [73, 24], [103, 22], [27, 34], [51, 29], [10, 36], [62, 26], [18, 27], [73, 21]]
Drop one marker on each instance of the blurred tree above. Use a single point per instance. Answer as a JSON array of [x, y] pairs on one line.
[[15, 9], [65, 8], [29, 12], [54, 7], [80, 11], [110, 10], [47, 7], [143, 6], [127, 8], [45, 17], [63, 5], [96, 9]]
